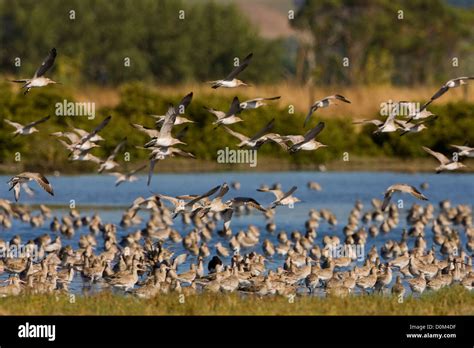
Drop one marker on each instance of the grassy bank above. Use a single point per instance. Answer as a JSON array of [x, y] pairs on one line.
[[449, 301]]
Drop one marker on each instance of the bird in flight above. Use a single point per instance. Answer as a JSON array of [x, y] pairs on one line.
[[445, 162], [324, 103], [230, 81], [260, 138], [179, 110], [281, 198], [306, 142], [228, 117], [127, 177], [401, 188], [256, 103], [453, 83], [26, 129], [464, 150], [89, 137], [38, 80], [17, 181], [109, 163]]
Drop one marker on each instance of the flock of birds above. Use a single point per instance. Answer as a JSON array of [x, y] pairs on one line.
[[141, 262]]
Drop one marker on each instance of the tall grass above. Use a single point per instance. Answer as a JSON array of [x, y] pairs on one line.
[[366, 100]]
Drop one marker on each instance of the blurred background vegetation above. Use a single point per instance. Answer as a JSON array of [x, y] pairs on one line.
[[301, 59]]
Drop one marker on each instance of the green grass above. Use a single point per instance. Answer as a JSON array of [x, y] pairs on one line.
[[449, 301]]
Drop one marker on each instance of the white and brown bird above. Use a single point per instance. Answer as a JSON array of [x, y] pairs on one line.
[[230, 81], [16, 182], [306, 142], [453, 83], [109, 162], [445, 162], [229, 117], [282, 198], [26, 129], [401, 188], [179, 110], [324, 103], [127, 177], [260, 138], [88, 137], [464, 150], [38, 80], [256, 103]]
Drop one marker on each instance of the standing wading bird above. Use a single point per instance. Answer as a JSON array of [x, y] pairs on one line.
[[256, 103], [324, 103], [453, 83], [38, 80], [16, 182], [26, 129], [228, 117], [401, 188], [127, 177], [445, 162], [231, 81]]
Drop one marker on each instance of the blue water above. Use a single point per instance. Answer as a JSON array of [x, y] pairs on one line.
[[339, 192]]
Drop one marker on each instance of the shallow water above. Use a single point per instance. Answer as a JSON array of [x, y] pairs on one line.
[[339, 192]]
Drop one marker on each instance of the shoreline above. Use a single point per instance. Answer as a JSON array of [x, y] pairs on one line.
[[376, 164]]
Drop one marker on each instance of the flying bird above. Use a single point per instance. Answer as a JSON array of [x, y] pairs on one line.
[[260, 138], [89, 136], [281, 198], [453, 83], [401, 188], [420, 115], [324, 103], [408, 127], [445, 162], [375, 122], [16, 182], [38, 80], [308, 141], [109, 163], [464, 150], [228, 117], [179, 110], [26, 129], [256, 103], [230, 80], [127, 177]]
